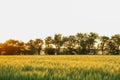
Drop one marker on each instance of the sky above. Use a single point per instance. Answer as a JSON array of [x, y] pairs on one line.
[[31, 19]]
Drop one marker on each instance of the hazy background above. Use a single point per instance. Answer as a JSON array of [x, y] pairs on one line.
[[30, 19]]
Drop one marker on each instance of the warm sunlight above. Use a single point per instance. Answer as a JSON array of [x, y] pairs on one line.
[[59, 40]]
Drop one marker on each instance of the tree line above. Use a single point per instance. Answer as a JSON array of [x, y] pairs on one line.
[[78, 44]]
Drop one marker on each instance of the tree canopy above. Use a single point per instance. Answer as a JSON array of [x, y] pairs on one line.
[[80, 43]]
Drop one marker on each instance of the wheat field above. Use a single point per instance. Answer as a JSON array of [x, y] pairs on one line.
[[81, 67]]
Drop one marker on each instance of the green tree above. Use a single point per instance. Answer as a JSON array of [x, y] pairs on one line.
[[91, 40], [79, 37], [116, 40], [58, 42], [83, 43], [70, 45], [112, 47], [104, 41]]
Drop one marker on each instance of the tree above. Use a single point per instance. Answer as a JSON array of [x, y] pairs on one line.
[[104, 41], [11, 42], [38, 45], [30, 47], [50, 50], [12, 46], [116, 41], [64, 42], [58, 42], [112, 47], [83, 43], [91, 40], [70, 44], [79, 37], [48, 41], [0, 48], [49, 46]]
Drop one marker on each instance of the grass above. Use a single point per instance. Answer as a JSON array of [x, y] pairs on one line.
[[60, 67]]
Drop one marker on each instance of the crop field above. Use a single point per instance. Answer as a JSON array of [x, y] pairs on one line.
[[87, 67]]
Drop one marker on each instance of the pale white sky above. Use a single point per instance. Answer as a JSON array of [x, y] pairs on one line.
[[30, 19]]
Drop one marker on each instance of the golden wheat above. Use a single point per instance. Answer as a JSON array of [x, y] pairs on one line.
[[60, 67]]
